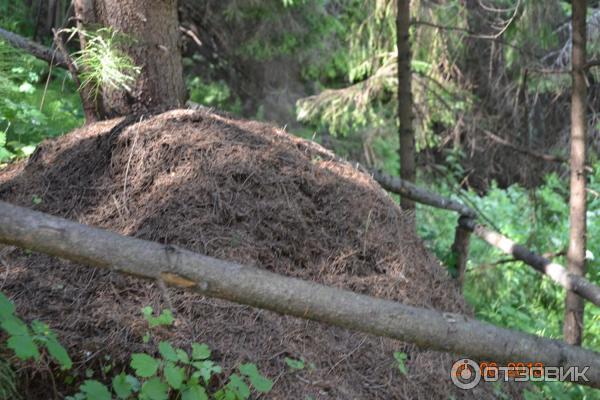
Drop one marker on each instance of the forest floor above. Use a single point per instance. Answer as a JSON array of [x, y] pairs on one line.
[[241, 191]]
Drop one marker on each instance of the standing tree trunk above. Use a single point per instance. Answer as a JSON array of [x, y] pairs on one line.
[[405, 101], [573, 324], [460, 251], [155, 47]]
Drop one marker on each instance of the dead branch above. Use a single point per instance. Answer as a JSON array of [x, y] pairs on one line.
[[542, 156], [407, 189], [556, 272]]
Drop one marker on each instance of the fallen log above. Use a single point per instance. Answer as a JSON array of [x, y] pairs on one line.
[[35, 49], [259, 288]]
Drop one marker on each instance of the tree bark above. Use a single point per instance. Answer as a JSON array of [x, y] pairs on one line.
[[405, 102], [574, 306], [460, 251], [260, 288], [155, 47], [85, 15]]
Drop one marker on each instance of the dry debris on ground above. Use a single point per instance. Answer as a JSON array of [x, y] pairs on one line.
[[241, 191]]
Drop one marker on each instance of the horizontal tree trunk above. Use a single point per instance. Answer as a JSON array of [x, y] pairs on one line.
[[256, 287], [33, 48], [555, 271]]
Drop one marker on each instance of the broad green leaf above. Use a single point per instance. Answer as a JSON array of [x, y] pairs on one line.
[[15, 327], [134, 382], [147, 311], [174, 375], [122, 386], [59, 353], [144, 365], [226, 394], [7, 308], [182, 356], [401, 360], [167, 351], [155, 389], [200, 351], [238, 386], [206, 369], [5, 155], [95, 390], [260, 383], [24, 347], [27, 150], [165, 318], [193, 392], [26, 87], [294, 364], [40, 328]]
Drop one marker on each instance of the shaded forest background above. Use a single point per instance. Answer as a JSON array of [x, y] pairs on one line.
[[492, 100]]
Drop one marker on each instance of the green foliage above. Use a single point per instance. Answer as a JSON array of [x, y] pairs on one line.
[[213, 94], [144, 365], [35, 103], [14, 16], [27, 340], [509, 293], [164, 319], [175, 373], [8, 381], [102, 64], [400, 358], [94, 390], [360, 103], [294, 364]]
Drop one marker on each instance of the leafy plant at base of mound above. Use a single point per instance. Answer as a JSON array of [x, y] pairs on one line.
[[175, 373], [28, 342], [400, 358]]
